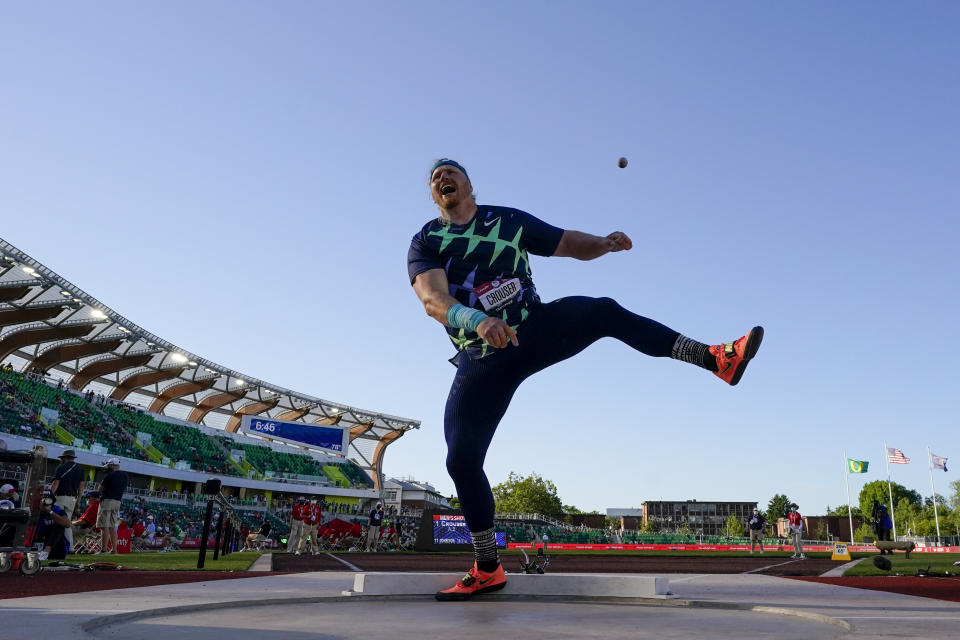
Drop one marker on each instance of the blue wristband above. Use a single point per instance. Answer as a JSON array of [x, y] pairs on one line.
[[463, 317]]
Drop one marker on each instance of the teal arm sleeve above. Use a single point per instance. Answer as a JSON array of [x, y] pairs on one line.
[[463, 317]]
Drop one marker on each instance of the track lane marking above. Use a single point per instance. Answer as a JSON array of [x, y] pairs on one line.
[[697, 577], [780, 564], [352, 567]]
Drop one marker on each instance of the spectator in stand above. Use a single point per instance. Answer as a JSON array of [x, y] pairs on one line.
[[89, 518], [257, 538], [173, 538], [353, 535], [296, 524], [150, 531], [795, 526], [373, 530], [9, 492], [86, 524], [8, 495], [67, 485], [111, 493], [390, 535], [322, 529], [138, 528], [756, 524]]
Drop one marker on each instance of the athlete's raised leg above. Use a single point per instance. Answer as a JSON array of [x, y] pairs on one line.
[[565, 327]]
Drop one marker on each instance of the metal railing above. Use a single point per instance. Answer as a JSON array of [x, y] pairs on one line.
[[227, 530]]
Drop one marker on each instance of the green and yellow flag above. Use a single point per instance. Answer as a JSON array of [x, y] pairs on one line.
[[857, 466]]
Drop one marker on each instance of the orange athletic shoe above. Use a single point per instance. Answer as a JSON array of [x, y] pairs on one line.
[[733, 357], [475, 582]]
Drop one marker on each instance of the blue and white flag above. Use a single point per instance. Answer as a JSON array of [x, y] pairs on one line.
[[938, 462]]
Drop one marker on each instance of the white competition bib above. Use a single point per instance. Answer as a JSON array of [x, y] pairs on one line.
[[497, 294]]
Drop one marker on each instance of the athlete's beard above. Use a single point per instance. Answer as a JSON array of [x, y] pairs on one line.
[[451, 203]]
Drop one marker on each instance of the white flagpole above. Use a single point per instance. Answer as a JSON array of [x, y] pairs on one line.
[[849, 508], [893, 518], [934, 491]]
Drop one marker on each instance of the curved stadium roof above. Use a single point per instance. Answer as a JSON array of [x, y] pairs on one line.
[[49, 325]]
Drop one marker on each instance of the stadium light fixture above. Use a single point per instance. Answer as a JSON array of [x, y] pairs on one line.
[[29, 270], [66, 294], [178, 357], [192, 363], [99, 315], [239, 382]]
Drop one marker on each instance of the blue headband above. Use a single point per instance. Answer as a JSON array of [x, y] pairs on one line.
[[452, 163]]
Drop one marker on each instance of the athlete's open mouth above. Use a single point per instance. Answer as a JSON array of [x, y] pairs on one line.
[[447, 189]]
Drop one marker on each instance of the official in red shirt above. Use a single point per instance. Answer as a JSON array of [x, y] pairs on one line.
[[311, 515], [89, 518], [296, 525], [795, 524]]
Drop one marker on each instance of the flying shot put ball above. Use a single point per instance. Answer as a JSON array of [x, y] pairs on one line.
[[622, 163]]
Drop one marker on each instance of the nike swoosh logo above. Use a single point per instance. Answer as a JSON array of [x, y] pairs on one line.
[[487, 223], [729, 364], [485, 581]]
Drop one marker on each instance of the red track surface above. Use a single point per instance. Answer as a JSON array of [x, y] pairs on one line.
[[938, 588]]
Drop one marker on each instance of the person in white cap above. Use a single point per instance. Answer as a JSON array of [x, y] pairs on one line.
[[111, 492], [373, 531], [9, 493], [8, 496], [795, 526], [151, 531]]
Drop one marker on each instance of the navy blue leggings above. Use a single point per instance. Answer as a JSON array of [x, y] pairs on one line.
[[482, 389]]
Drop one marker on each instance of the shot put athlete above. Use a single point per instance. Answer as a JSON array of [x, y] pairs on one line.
[[471, 270]]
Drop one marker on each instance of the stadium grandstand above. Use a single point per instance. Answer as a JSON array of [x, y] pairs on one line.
[[79, 375]]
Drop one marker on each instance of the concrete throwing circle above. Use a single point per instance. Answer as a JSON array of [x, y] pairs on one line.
[[498, 619]]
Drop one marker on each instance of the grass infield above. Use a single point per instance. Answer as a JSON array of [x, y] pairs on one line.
[[941, 563], [172, 561]]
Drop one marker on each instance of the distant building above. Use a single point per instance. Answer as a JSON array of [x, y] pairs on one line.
[[586, 520], [630, 519], [408, 494], [708, 518]]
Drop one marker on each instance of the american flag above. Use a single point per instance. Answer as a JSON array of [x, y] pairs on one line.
[[938, 461], [896, 456]]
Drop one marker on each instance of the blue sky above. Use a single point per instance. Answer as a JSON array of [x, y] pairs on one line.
[[243, 179]]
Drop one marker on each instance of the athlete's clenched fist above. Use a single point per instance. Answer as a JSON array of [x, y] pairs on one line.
[[497, 333]]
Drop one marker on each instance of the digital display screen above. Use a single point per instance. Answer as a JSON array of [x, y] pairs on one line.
[[322, 436], [452, 529]]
